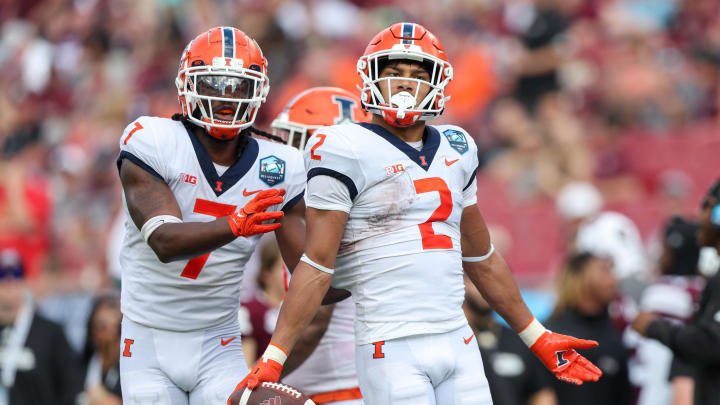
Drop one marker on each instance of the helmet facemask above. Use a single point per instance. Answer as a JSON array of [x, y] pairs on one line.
[[294, 134], [404, 109], [222, 99]]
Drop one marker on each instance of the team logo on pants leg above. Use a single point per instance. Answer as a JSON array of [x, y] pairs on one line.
[[128, 343], [272, 170], [378, 350]]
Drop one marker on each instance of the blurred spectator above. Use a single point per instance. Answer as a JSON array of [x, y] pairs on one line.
[[102, 352], [672, 297], [604, 233], [38, 366], [540, 26], [258, 315], [585, 290], [25, 211], [697, 343], [515, 375]]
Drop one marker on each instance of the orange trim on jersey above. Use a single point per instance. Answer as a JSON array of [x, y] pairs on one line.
[[348, 394]]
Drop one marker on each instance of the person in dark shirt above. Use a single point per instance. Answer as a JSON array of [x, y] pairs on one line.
[[585, 290], [101, 356], [37, 365], [515, 375], [697, 343], [538, 68]]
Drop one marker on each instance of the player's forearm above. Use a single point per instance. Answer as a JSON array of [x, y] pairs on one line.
[[181, 241], [309, 339], [497, 285], [307, 288], [291, 237]]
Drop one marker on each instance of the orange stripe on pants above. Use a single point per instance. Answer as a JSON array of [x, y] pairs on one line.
[[336, 396]]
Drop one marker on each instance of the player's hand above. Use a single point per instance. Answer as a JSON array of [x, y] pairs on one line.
[[249, 219], [267, 369], [557, 353]]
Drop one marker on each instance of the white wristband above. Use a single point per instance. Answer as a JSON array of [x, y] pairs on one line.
[[274, 353], [480, 258], [320, 267], [532, 332], [154, 223]]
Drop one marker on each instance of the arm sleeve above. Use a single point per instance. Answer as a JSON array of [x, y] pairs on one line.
[[296, 183], [471, 167], [138, 144], [679, 368], [328, 193], [470, 194], [699, 341], [329, 155]]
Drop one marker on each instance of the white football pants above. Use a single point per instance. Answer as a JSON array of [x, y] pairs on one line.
[[433, 369], [160, 367]]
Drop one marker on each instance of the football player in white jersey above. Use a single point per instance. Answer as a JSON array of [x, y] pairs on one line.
[[322, 364], [199, 191], [392, 216]]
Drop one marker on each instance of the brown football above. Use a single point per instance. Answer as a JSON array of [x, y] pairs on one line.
[[269, 393]]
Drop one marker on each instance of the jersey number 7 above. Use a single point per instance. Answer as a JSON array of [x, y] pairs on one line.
[[194, 266], [431, 240]]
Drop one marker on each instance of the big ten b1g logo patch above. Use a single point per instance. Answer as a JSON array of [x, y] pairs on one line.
[[394, 169], [272, 170], [457, 140], [187, 178]]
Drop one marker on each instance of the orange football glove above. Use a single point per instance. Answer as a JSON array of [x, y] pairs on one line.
[[557, 353], [248, 220], [268, 368]]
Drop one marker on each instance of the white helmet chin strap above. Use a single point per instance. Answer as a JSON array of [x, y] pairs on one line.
[[404, 101]]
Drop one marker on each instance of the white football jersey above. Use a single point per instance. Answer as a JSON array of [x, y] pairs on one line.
[[331, 366], [400, 254], [202, 292]]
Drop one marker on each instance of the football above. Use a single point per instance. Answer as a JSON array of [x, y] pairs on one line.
[[269, 393]]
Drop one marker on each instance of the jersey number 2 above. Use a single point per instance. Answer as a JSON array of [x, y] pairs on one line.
[[317, 145], [431, 240], [194, 266]]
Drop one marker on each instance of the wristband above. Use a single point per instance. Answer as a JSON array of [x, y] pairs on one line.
[[532, 332], [274, 353], [154, 223], [482, 258], [320, 267]]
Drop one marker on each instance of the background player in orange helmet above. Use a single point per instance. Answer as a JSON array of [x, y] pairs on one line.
[[392, 216], [315, 108], [322, 364], [197, 191]]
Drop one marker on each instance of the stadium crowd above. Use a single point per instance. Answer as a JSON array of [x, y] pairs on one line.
[[596, 122]]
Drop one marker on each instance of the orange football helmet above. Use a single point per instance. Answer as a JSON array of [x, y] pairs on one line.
[[404, 41], [222, 81], [314, 108]]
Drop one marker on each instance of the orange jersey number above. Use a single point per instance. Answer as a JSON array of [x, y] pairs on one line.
[[194, 266], [431, 240], [317, 145], [132, 132]]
